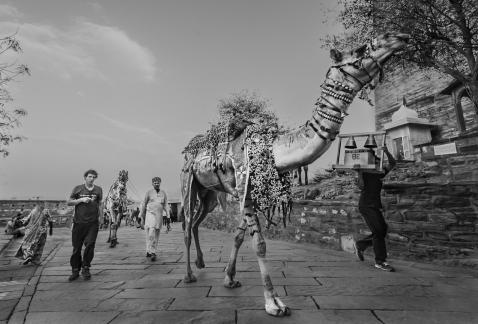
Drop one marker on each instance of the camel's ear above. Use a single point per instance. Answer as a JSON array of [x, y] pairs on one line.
[[336, 55]]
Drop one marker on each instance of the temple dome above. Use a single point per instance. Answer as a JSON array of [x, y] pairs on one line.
[[406, 116], [404, 113]]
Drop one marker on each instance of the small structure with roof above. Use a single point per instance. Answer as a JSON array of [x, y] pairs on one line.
[[405, 131]]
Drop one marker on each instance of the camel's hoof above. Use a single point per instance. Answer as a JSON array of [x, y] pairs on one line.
[[277, 308], [232, 284], [200, 263], [189, 278]]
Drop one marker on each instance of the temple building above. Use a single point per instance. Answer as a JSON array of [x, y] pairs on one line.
[[433, 103]]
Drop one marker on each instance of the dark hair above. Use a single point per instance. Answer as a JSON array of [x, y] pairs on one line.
[[156, 179], [90, 171]]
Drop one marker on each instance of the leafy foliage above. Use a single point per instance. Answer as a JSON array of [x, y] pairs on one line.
[[268, 187], [9, 118], [444, 33]]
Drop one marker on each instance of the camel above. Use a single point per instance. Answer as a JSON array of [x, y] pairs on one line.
[[202, 181], [116, 204]]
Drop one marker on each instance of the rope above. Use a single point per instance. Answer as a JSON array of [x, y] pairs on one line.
[[133, 189]]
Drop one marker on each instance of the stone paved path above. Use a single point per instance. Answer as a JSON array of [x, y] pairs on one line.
[[320, 286]]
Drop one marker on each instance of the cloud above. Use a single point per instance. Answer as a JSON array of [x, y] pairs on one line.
[[95, 6], [9, 11], [82, 139], [83, 49], [129, 127]]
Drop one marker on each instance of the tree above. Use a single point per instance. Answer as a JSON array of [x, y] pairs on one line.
[[444, 33], [9, 118]]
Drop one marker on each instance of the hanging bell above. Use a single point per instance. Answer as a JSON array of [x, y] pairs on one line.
[[370, 143], [351, 143]]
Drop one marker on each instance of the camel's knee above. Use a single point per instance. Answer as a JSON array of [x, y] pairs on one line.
[[261, 247], [239, 237], [195, 230], [266, 279], [187, 238]]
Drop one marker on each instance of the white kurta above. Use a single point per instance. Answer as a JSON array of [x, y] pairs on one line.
[[157, 201]]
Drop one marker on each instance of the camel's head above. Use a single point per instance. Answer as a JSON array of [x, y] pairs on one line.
[[123, 176], [122, 179], [361, 65]]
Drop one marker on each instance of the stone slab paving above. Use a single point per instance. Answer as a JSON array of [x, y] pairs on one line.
[[320, 286]]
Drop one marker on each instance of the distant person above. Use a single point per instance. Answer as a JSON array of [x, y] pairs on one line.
[[152, 208], [129, 217], [167, 220], [87, 199], [370, 206], [16, 226], [136, 218], [31, 249]]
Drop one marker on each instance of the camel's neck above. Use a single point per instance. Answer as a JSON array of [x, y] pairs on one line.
[[305, 144]]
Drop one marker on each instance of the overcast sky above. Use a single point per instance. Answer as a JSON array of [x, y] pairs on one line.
[[126, 84]]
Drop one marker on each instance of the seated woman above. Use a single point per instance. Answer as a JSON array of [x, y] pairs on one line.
[[34, 241], [16, 226]]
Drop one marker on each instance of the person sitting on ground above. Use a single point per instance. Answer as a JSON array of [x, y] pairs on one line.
[[16, 226]]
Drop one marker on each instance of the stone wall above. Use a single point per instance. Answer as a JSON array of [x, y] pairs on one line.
[[320, 222], [431, 220], [60, 212], [431, 208], [421, 92]]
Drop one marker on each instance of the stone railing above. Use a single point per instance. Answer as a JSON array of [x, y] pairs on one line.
[[59, 211]]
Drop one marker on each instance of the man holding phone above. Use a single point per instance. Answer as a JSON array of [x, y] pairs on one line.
[[87, 199]]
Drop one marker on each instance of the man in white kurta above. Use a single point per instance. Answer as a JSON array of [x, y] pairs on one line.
[[155, 202]]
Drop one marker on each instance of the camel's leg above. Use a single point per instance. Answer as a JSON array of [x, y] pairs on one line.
[[195, 230], [274, 306], [229, 281], [189, 193], [109, 227], [189, 277], [113, 229], [306, 177], [208, 203], [299, 171]]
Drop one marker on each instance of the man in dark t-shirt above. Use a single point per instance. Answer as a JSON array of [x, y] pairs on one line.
[[370, 206], [87, 199]]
